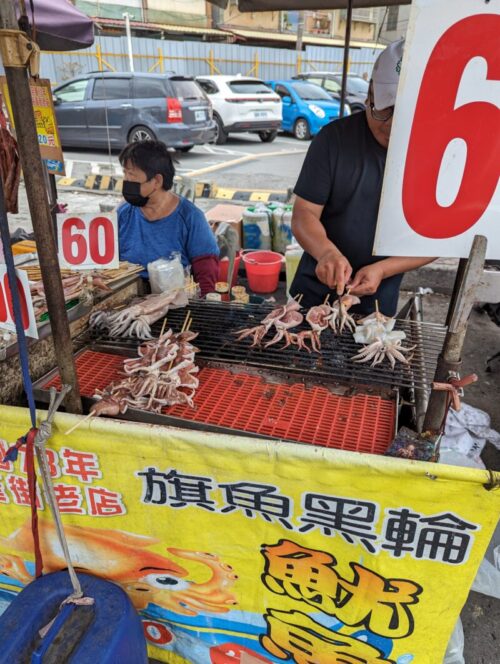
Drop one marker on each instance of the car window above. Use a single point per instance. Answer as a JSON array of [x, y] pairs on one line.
[[332, 86], [357, 85], [208, 86], [186, 89], [282, 91], [316, 79], [149, 88], [249, 87], [73, 91], [309, 91], [111, 88]]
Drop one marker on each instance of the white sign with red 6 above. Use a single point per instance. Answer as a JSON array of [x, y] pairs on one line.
[[7, 320], [87, 241], [442, 178]]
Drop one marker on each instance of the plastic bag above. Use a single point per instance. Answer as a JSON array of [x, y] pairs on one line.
[[166, 274], [487, 579], [455, 650], [465, 436]]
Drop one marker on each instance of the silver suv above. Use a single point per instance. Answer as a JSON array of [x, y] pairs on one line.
[[106, 108]]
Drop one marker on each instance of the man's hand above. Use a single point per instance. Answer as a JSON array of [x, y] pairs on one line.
[[334, 270], [367, 280]]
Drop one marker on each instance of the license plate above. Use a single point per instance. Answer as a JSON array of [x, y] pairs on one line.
[[260, 114], [200, 116]]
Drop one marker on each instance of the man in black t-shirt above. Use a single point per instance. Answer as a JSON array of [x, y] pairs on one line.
[[338, 195]]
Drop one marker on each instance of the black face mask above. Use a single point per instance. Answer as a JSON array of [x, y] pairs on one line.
[[132, 193]]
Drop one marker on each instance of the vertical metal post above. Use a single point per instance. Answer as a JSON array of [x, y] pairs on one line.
[[160, 59], [98, 55], [33, 169], [126, 16], [345, 64], [300, 32], [458, 315]]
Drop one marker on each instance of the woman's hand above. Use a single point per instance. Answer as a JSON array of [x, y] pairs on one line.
[[367, 280], [334, 270]]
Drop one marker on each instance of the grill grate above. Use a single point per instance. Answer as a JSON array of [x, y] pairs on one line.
[[217, 323], [246, 403]]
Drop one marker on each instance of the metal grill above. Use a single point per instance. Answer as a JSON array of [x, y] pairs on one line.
[[217, 324]]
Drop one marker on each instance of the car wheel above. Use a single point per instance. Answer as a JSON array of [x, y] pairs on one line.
[[220, 133], [185, 148], [141, 133], [267, 136], [301, 130]]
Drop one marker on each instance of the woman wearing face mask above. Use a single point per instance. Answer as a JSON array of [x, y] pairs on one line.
[[154, 222]]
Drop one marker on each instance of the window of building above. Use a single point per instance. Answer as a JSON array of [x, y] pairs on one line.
[[392, 18]]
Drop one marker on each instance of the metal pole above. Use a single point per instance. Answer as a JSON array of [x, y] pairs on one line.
[[345, 64], [300, 32], [460, 309], [33, 171], [126, 16]]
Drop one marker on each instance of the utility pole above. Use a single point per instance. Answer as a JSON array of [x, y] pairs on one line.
[[345, 64], [17, 50], [300, 31], [126, 16]]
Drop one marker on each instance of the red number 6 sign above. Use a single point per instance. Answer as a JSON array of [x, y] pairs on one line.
[[442, 175], [7, 309], [437, 122], [87, 241]]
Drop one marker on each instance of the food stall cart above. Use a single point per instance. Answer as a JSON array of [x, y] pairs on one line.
[[264, 524]]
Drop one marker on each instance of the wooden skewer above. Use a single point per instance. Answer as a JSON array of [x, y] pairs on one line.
[[326, 299], [79, 423], [163, 327], [376, 307], [299, 297]]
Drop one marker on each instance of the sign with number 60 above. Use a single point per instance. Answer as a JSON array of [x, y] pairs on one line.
[[7, 308], [442, 178], [88, 241]]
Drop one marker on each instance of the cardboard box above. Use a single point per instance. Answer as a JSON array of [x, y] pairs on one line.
[[225, 215]]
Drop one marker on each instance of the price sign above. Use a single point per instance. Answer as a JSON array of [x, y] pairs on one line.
[[7, 308], [87, 241], [442, 179]]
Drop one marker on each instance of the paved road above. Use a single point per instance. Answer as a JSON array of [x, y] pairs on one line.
[[244, 162]]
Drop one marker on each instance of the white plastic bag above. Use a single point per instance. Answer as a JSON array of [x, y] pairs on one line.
[[465, 436], [455, 650], [166, 274]]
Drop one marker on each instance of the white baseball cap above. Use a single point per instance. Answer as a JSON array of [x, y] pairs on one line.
[[385, 75]]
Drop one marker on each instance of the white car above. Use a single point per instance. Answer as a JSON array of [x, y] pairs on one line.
[[242, 103]]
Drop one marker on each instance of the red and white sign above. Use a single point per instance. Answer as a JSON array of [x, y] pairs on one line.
[[442, 178], [7, 309], [88, 241]]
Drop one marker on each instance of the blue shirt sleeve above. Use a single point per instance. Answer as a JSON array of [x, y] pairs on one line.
[[200, 238]]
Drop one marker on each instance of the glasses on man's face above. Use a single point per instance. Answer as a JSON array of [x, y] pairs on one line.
[[383, 115]]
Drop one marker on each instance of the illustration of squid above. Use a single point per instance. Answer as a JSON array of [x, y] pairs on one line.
[[124, 558]]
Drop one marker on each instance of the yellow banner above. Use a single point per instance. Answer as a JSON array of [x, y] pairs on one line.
[[45, 119], [241, 550]]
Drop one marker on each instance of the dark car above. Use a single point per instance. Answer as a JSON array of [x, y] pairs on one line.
[[106, 108], [356, 87]]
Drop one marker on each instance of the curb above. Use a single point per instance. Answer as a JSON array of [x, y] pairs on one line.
[[109, 184]]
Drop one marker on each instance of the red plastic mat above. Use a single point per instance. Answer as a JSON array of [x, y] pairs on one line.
[[360, 423]]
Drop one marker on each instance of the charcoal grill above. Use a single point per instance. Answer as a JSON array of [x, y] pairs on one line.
[[253, 402], [217, 324]]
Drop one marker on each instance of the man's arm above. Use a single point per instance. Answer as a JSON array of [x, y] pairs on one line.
[[367, 279], [333, 268]]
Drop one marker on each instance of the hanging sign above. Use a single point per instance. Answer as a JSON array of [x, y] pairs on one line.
[[442, 178], [46, 123], [87, 241], [7, 309]]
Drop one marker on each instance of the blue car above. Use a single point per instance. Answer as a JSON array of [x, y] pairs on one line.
[[306, 107]]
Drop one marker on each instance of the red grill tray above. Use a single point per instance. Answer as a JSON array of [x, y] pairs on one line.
[[360, 423]]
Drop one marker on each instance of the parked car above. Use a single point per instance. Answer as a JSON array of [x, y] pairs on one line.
[[116, 108], [306, 107], [242, 104], [356, 87]]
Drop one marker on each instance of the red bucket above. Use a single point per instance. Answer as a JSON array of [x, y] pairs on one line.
[[224, 269], [263, 270]]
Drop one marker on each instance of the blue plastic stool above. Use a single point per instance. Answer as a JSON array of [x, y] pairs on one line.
[[108, 632]]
